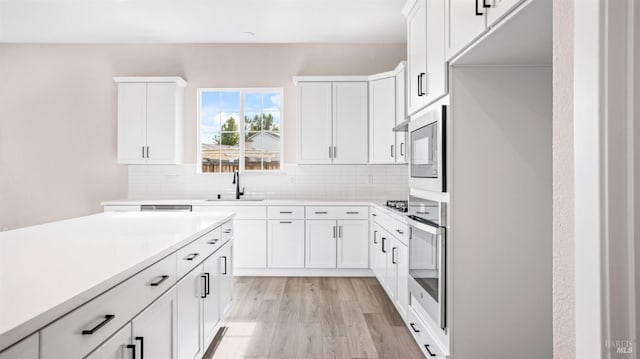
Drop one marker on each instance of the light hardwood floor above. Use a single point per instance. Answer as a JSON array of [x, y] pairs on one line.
[[301, 318]]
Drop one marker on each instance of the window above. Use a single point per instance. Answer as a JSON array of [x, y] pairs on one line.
[[240, 129]]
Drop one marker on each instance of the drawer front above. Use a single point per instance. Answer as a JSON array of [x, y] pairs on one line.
[[286, 212], [195, 252], [337, 212], [423, 336], [227, 231], [399, 229], [242, 212], [81, 331], [122, 208]]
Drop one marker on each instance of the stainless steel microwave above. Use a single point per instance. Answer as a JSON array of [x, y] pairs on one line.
[[427, 149]]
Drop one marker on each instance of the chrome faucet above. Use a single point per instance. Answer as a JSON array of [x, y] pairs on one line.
[[236, 181]]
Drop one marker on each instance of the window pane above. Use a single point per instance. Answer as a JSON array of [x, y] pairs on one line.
[[229, 151], [230, 102], [252, 122], [271, 150], [211, 154], [271, 101], [229, 122], [271, 121], [253, 151], [253, 102]]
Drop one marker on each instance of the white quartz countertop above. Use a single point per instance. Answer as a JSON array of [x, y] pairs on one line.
[[242, 202], [50, 269]]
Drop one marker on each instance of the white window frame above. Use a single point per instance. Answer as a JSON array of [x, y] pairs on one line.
[[241, 129]]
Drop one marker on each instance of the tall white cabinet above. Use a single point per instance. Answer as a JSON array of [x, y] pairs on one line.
[[150, 120], [332, 121]]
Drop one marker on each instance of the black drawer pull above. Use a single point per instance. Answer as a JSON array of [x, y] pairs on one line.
[[107, 319], [203, 276], [162, 279], [413, 326], [399, 231], [192, 256], [373, 214], [207, 287], [353, 212], [286, 212], [286, 222], [225, 265], [141, 339], [213, 241], [426, 346], [321, 212], [133, 350], [227, 231]]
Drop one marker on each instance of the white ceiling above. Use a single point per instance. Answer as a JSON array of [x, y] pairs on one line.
[[202, 21]]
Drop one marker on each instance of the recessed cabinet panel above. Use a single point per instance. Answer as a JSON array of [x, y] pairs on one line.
[[190, 336], [154, 330], [500, 8], [314, 122], [417, 56], [350, 111], [211, 303], [286, 244], [132, 123], [320, 242], [401, 115], [225, 265], [114, 348], [162, 131], [353, 244], [250, 240], [382, 119], [466, 21], [436, 78], [26, 349]]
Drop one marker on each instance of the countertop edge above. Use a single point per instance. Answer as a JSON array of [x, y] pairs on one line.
[[35, 324]]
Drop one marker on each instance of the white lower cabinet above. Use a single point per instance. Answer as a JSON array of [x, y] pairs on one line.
[[26, 349], [320, 244], [211, 303], [400, 261], [154, 330], [250, 241], [286, 244], [353, 244], [119, 346], [191, 290], [225, 265]]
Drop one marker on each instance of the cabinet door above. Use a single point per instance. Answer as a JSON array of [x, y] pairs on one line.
[[28, 349], [154, 330], [417, 56], [132, 123], [314, 122], [211, 302], [402, 279], [401, 115], [350, 118], [386, 266], [320, 244], [250, 240], [500, 8], [382, 142], [286, 244], [161, 123], [353, 244], [463, 24], [225, 266], [190, 292], [436, 79], [374, 247]]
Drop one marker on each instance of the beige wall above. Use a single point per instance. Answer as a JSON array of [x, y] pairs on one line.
[[563, 169], [58, 110]]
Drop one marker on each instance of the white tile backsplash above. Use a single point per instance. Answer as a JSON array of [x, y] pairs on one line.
[[319, 182]]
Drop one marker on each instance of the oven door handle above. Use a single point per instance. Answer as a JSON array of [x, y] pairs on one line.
[[442, 275], [424, 227]]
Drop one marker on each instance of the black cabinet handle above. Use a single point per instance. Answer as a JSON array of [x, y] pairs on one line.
[[321, 212], [107, 319], [478, 13], [133, 350], [420, 89], [413, 326], [227, 231], [162, 279], [353, 212], [147, 151], [401, 148], [375, 237], [203, 276], [284, 222], [192, 256], [286, 212], [373, 214], [484, 4], [213, 241], [383, 242], [426, 346], [207, 283], [141, 339], [225, 265], [142, 151], [392, 152], [399, 231], [394, 255]]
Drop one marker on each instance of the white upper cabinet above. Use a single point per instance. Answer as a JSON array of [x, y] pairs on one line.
[[332, 122], [314, 122], [468, 19], [382, 119], [350, 113], [150, 120], [426, 53], [401, 115]]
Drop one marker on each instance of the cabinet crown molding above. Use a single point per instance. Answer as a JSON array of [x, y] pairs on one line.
[[150, 79]]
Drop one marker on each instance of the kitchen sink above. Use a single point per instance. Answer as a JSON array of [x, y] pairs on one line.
[[233, 200]]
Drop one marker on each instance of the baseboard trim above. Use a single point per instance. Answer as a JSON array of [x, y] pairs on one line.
[[301, 272]]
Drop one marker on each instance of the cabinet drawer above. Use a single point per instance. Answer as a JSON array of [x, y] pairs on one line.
[[242, 212], [398, 229], [81, 331], [336, 212], [286, 212], [421, 333], [227, 231], [195, 252]]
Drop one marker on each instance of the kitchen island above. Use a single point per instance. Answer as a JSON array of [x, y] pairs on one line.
[[67, 286]]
